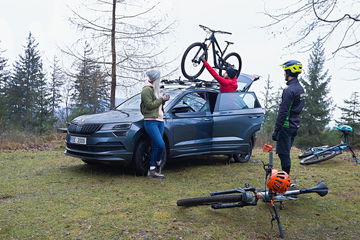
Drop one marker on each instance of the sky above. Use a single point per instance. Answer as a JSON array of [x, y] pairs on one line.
[[261, 52]]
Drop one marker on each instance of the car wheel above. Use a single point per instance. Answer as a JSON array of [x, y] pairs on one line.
[[243, 158], [142, 157]]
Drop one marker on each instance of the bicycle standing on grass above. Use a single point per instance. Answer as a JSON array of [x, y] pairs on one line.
[[191, 65], [319, 154], [277, 183]]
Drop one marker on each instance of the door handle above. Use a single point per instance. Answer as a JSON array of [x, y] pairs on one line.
[[207, 119], [254, 116]]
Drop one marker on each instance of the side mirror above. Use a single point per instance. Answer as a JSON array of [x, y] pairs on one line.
[[180, 108]]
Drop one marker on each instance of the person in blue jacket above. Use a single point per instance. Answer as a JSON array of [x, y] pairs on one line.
[[288, 118]]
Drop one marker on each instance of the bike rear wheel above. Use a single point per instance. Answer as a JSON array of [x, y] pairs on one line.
[[191, 66], [320, 157], [233, 59], [188, 202]]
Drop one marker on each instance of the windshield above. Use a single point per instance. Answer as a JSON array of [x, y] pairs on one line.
[[134, 101]]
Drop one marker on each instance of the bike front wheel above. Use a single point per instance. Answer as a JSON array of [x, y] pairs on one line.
[[305, 154], [234, 60], [319, 157], [191, 66], [189, 202]]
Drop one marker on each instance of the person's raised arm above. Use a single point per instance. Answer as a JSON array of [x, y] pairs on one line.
[[221, 80]]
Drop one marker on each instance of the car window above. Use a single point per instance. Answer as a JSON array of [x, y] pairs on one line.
[[237, 101], [196, 100]]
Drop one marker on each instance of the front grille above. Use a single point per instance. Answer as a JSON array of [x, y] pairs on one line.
[[85, 129], [101, 147]]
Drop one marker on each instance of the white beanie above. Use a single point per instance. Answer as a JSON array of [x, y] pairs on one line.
[[153, 75]]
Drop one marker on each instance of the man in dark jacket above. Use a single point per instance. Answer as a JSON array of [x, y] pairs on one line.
[[288, 119]]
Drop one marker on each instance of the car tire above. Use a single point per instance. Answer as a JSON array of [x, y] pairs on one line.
[[142, 157], [243, 158]]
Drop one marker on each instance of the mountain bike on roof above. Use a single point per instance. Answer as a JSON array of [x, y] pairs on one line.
[[322, 153], [191, 65], [277, 189]]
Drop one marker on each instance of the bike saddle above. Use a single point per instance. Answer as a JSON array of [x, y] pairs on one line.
[[229, 42]]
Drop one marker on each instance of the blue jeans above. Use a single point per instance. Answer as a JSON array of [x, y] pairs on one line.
[[155, 129]]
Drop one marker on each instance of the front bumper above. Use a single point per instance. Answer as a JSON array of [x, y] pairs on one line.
[[99, 148]]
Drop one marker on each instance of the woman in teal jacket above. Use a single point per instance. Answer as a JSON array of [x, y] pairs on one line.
[[152, 109]]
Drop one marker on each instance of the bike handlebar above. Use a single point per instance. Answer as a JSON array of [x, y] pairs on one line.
[[213, 31]]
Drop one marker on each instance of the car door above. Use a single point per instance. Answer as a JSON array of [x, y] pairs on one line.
[[237, 116], [192, 130]]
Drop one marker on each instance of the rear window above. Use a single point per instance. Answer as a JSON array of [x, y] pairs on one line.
[[237, 101]]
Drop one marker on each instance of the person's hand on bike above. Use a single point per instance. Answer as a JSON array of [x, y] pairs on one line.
[[275, 135]]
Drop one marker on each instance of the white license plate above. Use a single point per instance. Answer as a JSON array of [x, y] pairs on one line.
[[78, 140]]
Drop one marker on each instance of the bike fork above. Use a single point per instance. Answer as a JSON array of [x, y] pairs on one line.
[[357, 161], [275, 217]]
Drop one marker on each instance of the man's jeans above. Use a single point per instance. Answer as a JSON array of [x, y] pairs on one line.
[[155, 129]]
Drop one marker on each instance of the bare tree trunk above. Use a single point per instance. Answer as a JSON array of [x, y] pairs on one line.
[[113, 54]]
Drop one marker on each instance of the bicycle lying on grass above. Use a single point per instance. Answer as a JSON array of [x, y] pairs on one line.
[[192, 67], [277, 182], [318, 154]]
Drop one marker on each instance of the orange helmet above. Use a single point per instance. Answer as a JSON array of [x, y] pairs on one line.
[[279, 181]]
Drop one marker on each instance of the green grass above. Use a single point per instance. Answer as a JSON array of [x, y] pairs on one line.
[[46, 195]]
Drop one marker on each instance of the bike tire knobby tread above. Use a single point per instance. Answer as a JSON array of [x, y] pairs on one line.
[[188, 202]]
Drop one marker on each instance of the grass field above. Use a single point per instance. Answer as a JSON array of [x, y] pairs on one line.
[[46, 195]]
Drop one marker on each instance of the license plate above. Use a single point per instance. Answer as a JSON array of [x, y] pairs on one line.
[[78, 140]]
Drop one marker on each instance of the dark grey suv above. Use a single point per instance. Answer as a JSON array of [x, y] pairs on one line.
[[198, 120]]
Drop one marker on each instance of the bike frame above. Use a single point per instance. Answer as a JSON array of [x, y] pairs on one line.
[[250, 196], [339, 148], [215, 46]]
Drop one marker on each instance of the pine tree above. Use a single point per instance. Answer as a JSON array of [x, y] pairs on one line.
[[318, 106], [91, 89], [351, 116], [4, 78], [271, 104], [27, 94], [56, 81]]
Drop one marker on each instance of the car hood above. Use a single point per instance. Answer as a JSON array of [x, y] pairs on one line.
[[110, 117]]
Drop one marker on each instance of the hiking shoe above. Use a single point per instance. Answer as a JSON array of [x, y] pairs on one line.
[[154, 174]]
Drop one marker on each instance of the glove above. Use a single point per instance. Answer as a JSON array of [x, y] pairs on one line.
[[275, 136], [202, 58]]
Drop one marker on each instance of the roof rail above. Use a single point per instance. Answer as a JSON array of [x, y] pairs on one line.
[[193, 83]]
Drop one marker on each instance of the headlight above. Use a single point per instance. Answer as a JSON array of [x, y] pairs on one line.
[[116, 126]]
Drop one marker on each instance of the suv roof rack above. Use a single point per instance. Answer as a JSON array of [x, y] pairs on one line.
[[244, 83], [194, 83]]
